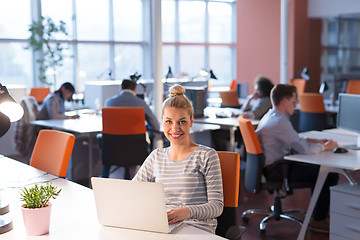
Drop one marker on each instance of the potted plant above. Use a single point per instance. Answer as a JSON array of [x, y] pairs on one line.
[[36, 209], [43, 41]]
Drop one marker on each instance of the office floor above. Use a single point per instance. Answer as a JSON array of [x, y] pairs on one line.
[[275, 230]]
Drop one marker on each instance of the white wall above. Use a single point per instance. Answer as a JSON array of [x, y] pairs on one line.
[[331, 8]]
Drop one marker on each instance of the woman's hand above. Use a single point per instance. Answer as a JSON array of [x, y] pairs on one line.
[[178, 215]]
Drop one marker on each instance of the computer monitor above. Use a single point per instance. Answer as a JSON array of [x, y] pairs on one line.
[[349, 115], [198, 97]]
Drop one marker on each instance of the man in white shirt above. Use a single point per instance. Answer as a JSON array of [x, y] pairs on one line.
[[278, 139]]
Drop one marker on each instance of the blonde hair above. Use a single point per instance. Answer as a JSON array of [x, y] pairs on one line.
[[178, 99]]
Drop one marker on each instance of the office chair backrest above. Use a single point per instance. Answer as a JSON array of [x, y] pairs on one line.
[[25, 133], [229, 99], [123, 136], [233, 85], [52, 152], [353, 87], [123, 120], [312, 112], [230, 170], [311, 103], [255, 159], [299, 83], [39, 93]]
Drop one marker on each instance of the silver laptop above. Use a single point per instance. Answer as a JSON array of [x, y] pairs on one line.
[[131, 204]]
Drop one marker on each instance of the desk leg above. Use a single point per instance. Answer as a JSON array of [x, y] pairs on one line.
[[323, 172], [232, 139]]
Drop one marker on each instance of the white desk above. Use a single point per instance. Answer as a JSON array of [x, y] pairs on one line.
[[91, 124], [329, 162], [73, 213], [229, 123]]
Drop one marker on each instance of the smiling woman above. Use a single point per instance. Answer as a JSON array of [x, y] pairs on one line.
[[190, 173]]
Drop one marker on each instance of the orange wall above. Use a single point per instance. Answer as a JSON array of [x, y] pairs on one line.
[[258, 39]]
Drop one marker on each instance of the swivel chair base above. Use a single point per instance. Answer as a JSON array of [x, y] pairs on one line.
[[275, 212]]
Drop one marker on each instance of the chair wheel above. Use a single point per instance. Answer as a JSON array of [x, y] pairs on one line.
[[262, 233], [245, 219]]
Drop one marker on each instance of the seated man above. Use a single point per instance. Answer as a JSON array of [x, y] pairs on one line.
[[127, 98], [278, 139]]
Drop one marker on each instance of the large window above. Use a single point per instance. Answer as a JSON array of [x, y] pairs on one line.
[[109, 39], [199, 35], [15, 60], [341, 51]]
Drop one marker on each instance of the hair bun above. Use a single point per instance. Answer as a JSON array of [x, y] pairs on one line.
[[176, 90]]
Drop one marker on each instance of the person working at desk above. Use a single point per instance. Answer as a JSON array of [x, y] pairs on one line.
[[53, 105], [190, 172], [262, 88], [127, 98], [256, 105], [278, 138]]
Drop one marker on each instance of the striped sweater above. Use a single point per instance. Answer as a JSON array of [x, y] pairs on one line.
[[194, 182]]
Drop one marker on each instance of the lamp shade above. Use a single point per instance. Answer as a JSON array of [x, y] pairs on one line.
[[4, 124], [9, 106]]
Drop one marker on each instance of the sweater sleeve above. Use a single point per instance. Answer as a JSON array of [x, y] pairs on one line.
[[212, 173]]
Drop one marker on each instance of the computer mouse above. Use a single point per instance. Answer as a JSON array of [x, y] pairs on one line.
[[340, 150]]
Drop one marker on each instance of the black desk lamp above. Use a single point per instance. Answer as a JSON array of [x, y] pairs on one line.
[[4, 124], [323, 87], [9, 106], [305, 73], [10, 111], [212, 75], [169, 74]]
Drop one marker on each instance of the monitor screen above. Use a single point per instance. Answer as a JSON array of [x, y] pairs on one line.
[[349, 114], [198, 97]]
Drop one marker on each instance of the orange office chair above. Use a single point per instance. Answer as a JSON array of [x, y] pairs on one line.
[[123, 137], [353, 87], [312, 112], [52, 152], [299, 83], [229, 99], [230, 171], [254, 175], [39, 93], [233, 85]]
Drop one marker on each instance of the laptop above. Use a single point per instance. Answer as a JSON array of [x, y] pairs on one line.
[[131, 204]]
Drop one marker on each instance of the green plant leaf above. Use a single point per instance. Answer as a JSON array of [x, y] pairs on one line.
[[38, 196]]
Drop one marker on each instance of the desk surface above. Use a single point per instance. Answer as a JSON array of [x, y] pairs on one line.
[[349, 160], [228, 121], [73, 213], [329, 162], [92, 123]]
